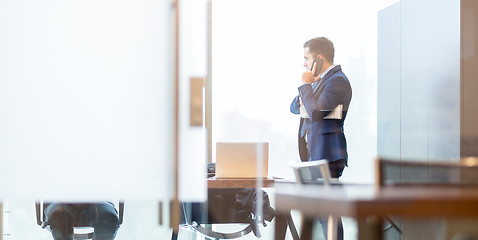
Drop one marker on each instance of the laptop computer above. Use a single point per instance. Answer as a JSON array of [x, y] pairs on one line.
[[242, 159]]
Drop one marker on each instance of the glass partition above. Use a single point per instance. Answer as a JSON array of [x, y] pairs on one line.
[[87, 100], [83, 87]]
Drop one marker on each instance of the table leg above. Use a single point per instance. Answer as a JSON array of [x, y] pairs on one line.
[[370, 228], [292, 228], [281, 223], [332, 228], [174, 235], [280, 226], [306, 228]]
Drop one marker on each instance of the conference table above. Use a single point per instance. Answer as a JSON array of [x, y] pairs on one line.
[[369, 204]]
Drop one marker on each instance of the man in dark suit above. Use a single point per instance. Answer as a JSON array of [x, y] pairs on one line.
[[323, 102]]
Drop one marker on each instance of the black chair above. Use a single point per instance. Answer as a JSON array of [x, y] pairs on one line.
[[228, 206], [402, 172], [393, 172], [87, 232]]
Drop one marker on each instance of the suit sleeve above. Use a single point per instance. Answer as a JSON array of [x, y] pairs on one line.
[[335, 91], [295, 105]]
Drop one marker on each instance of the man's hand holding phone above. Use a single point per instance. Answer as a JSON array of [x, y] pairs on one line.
[[309, 76]]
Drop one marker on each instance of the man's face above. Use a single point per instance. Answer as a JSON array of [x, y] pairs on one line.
[[308, 59]]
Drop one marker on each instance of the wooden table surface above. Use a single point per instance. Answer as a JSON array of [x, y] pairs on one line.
[[239, 183], [364, 201], [359, 200]]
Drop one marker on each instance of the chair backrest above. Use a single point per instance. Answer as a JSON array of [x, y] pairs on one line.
[[83, 233], [312, 172], [226, 206], [401, 172]]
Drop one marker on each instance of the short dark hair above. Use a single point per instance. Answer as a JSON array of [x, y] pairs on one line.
[[322, 46]]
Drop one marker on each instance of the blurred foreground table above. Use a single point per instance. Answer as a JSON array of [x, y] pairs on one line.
[[368, 205]]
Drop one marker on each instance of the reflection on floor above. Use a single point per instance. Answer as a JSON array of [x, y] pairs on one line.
[[140, 223]]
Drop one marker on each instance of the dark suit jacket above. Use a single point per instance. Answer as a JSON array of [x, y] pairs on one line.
[[325, 137]]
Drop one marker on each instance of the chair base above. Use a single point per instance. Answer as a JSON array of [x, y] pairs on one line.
[[219, 235]]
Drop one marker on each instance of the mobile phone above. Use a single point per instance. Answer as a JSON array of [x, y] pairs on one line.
[[319, 62]]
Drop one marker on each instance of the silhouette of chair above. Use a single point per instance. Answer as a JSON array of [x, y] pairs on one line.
[[392, 172], [400, 172], [81, 232], [227, 206]]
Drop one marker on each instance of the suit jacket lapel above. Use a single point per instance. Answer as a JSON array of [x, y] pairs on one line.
[[327, 76]]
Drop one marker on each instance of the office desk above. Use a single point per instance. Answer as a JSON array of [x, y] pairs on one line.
[[238, 182], [368, 205]]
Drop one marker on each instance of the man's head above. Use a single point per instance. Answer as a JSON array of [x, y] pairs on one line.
[[319, 47]]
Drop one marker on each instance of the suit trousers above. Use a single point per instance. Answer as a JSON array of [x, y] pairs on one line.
[[336, 169]]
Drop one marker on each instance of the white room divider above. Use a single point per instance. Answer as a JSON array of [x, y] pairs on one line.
[[87, 100]]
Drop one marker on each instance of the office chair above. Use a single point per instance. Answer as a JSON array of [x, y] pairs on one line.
[[81, 232], [399, 172], [227, 206], [393, 172]]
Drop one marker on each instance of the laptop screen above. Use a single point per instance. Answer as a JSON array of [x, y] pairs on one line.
[[242, 159]]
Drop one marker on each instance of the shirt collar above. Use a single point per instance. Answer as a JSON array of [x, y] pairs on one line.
[[327, 70]]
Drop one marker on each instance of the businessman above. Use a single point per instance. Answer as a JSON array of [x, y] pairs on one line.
[[322, 103]]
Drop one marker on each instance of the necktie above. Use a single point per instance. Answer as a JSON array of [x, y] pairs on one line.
[[315, 85]]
